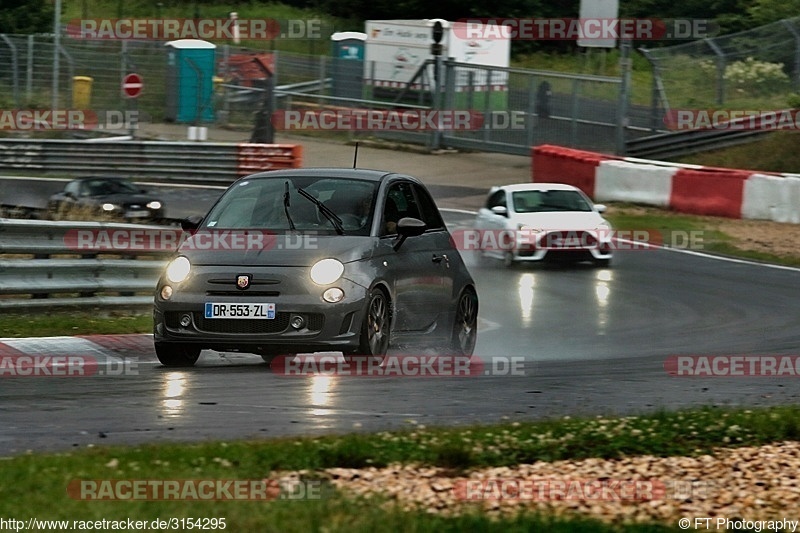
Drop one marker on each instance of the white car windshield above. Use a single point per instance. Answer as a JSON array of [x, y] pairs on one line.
[[543, 201]]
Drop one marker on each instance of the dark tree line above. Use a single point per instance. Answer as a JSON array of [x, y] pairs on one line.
[[36, 16]]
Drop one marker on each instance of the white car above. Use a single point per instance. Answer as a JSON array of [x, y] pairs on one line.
[[542, 221]]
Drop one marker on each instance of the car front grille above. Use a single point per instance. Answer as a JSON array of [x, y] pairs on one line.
[[565, 240], [228, 325], [314, 322]]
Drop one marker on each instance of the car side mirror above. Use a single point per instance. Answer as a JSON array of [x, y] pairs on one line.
[[408, 227], [600, 208], [500, 210], [70, 195], [191, 223]]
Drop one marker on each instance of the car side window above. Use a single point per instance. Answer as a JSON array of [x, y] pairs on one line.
[[430, 213], [497, 198], [73, 188], [400, 203]]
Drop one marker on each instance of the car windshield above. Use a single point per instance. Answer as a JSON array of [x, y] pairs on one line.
[[555, 200], [103, 187], [277, 204]]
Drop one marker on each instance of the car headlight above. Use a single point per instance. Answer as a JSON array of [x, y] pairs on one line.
[[326, 271], [155, 204], [109, 207], [178, 269]]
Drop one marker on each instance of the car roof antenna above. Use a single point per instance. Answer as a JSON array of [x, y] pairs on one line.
[[355, 156]]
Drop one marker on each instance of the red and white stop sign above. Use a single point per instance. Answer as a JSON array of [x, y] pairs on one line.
[[132, 85]]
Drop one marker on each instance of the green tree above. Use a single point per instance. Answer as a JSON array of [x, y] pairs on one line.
[[766, 11], [26, 16]]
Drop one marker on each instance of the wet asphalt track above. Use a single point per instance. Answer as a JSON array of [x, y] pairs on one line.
[[594, 341]]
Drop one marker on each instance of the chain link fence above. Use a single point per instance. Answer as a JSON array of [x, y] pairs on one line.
[[519, 107], [754, 69]]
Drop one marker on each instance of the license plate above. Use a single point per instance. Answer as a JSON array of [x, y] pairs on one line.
[[232, 310], [137, 214]]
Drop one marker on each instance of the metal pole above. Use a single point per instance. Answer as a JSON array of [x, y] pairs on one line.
[[14, 69], [796, 35], [624, 92], [720, 70], [56, 47], [29, 79]]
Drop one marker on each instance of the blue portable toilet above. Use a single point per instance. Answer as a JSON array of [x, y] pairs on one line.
[[348, 64], [190, 81]]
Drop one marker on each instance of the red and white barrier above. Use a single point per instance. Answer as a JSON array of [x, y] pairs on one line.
[[686, 188], [633, 182]]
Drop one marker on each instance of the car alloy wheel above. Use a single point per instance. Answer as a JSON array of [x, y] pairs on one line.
[[375, 329], [465, 326]]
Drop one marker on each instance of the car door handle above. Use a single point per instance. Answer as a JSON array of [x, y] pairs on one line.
[[440, 258]]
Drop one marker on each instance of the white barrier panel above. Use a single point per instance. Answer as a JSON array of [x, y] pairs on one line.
[[772, 198], [631, 182], [762, 197], [791, 199]]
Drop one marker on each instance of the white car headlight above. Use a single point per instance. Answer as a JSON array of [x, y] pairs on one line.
[[326, 271], [178, 269], [155, 204], [109, 207], [603, 226]]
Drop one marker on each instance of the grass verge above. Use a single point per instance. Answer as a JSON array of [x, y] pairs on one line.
[[768, 241], [46, 323], [36, 484]]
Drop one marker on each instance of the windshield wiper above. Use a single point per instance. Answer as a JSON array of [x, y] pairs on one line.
[[325, 210], [286, 204]]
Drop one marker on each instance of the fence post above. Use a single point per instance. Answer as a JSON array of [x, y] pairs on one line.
[[29, 79], [531, 109], [624, 91], [56, 53], [14, 69], [796, 69], [720, 70]]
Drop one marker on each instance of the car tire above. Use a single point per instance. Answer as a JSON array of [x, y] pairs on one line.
[[601, 263], [465, 324], [172, 354], [375, 329], [508, 259]]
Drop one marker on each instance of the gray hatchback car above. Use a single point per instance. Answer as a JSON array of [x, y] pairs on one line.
[[304, 260]]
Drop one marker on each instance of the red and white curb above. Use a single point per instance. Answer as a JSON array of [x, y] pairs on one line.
[[75, 356]]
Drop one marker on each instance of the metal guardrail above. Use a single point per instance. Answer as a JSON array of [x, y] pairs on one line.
[[31, 277], [680, 143], [195, 162]]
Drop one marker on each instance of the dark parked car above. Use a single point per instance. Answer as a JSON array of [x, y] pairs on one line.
[[108, 197], [303, 260]]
